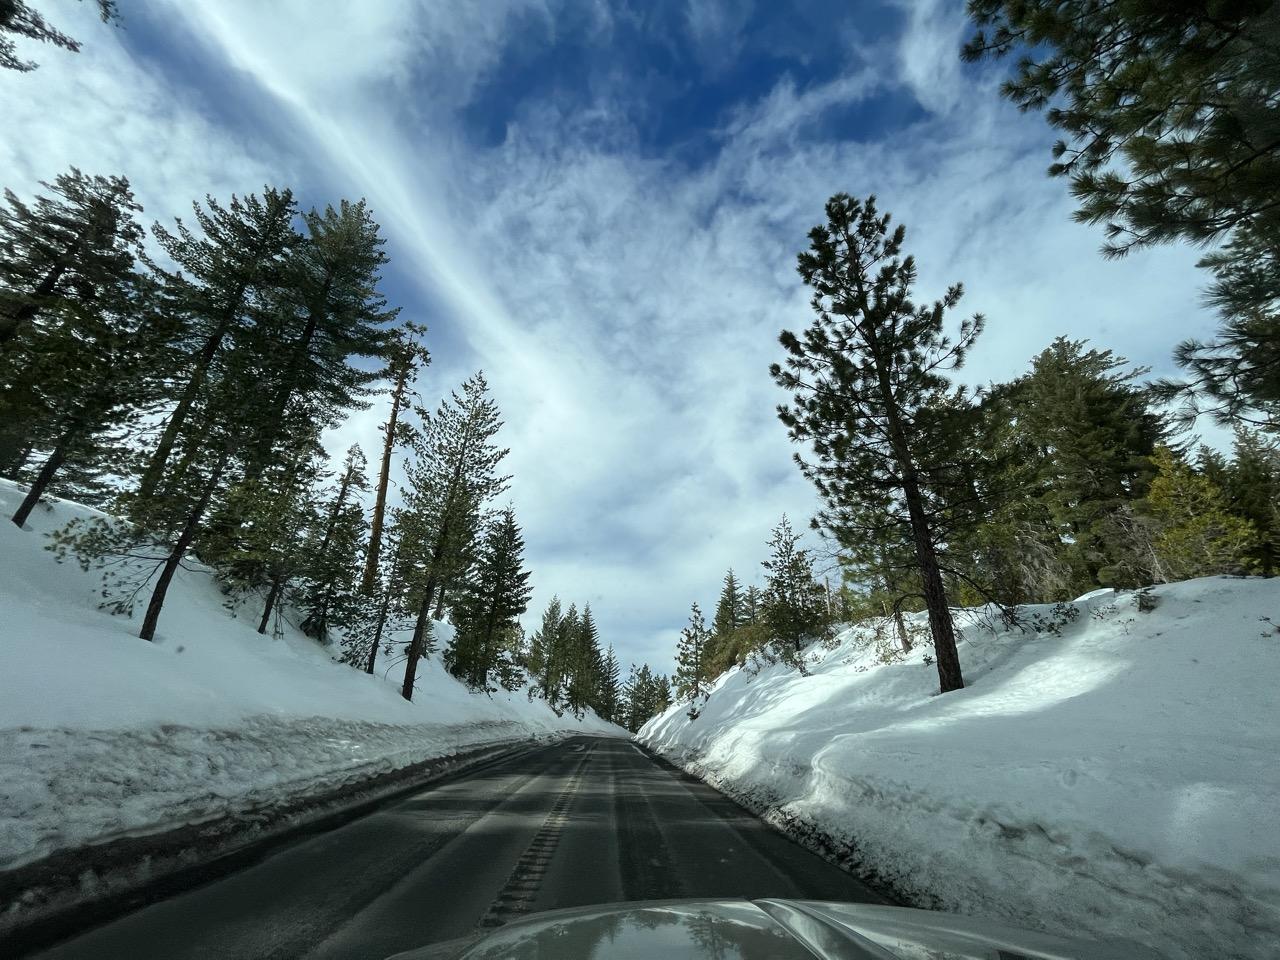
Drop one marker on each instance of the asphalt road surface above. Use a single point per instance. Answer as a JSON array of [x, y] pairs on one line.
[[584, 821]]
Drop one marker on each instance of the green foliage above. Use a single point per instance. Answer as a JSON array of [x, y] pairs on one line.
[[485, 648], [1198, 535], [692, 675], [20, 19], [1170, 115], [794, 603], [870, 396]]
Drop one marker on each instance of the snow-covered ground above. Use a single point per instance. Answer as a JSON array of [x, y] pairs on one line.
[[103, 735], [1121, 776]]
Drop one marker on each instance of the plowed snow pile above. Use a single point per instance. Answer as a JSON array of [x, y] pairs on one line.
[[104, 735], [1120, 775]]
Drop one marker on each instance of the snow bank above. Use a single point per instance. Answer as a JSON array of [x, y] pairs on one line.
[[1117, 776], [103, 735]]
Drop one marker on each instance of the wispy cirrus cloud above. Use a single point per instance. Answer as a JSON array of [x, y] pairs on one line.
[[623, 292]]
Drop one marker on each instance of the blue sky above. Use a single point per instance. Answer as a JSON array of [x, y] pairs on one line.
[[600, 205]]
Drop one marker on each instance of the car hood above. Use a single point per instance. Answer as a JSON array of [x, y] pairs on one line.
[[776, 929]]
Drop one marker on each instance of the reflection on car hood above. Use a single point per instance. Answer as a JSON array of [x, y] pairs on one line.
[[776, 929]]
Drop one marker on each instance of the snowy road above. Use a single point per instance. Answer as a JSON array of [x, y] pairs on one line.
[[587, 820]]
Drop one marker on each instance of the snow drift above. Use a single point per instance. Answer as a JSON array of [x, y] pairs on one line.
[[103, 735], [1114, 772]]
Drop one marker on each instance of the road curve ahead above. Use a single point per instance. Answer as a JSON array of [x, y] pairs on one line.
[[584, 821]]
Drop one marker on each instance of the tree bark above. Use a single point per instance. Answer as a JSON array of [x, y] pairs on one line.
[[12, 323], [415, 645], [43, 479], [383, 607], [277, 583], [164, 449], [188, 534], [384, 478]]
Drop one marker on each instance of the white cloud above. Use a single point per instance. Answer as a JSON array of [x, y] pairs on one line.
[[624, 306]]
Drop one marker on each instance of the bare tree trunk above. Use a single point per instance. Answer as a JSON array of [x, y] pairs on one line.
[[188, 534], [439, 614], [164, 449], [277, 583], [45, 477], [12, 323], [415, 645], [384, 477], [383, 607]]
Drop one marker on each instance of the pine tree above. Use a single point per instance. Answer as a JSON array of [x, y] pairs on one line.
[[794, 607], [1198, 534], [729, 614], [333, 552], [871, 398], [486, 617], [406, 358], [1169, 118], [328, 315], [588, 664], [1252, 482], [1085, 431], [102, 395], [751, 604], [609, 696], [691, 667], [545, 666], [453, 477], [67, 275], [17, 18], [232, 272]]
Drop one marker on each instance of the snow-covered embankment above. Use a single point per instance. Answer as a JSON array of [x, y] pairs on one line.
[[104, 736], [1117, 776]]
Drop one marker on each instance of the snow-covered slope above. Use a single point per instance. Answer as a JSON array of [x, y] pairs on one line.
[[104, 735], [1121, 776]]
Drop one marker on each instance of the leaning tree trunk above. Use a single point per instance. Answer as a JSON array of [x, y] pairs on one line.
[[45, 476], [11, 324], [935, 594], [384, 478], [188, 534], [277, 584], [383, 607], [164, 449], [424, 613]]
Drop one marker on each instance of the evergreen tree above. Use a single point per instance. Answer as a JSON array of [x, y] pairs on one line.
[[587, 662], [691, 666], [268, 551], [729, 615], [383, 610], [1085, 433], [406, 358], [609, 696], [486, 617], [232, 272], [333, 552], [1198, 534], [1169, 119], [19, 19], [752, 604], [794, 607], [1169, 116], [1252, 482], [545, 665], [453, 477], [329, 313], [67, 278], [871, 398]]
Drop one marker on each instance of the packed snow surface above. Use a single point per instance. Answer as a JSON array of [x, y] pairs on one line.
[[1114, 772], [104, 735]]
